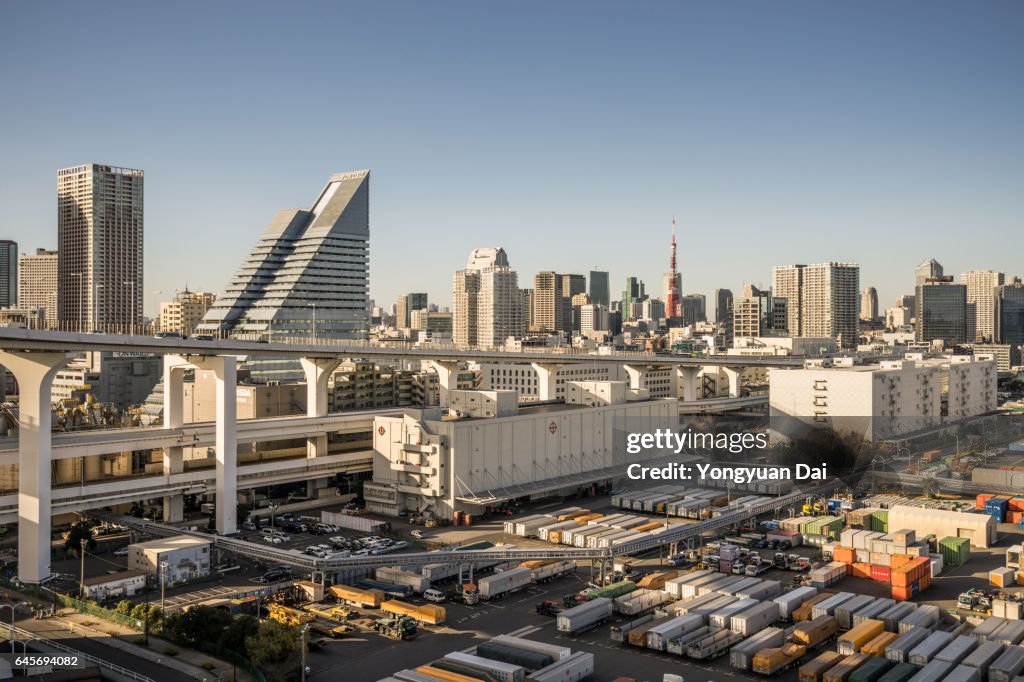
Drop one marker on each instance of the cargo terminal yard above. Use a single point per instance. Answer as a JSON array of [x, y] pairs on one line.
[[829, 587]]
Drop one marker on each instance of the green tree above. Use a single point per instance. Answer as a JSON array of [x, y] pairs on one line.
[[198, 624], [274, 650], [146, 613], [80, 530], [240, 629], [124, 607]]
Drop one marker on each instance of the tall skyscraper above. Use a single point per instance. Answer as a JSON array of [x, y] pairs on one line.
[[307, 275], [8, 273], [981, 303], [633, 293], [693, 309], [723, 305], [673, 283], [599, 291], [787, 283], [929, 269], [405, 306], [489, 306], [37, 282], [1010, 312], [550, 310], [869, 305], [758, 313], [941, 311], [827, 296], [99, 242]]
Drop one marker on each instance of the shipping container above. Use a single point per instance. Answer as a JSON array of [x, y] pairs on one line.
[[531, 660], [935, 670], [894, 615], [505, 583], [659, 636], [851, 642], [872, 610], [982, 657], [555, 651], [923, 653], [764, 590], [397, 576], [1009, 634], [640, 601], [899, 650], [430, 614], [1009, 664], [963, 673], [871, 670], [878, 645], [845, 612], [803, 612], [958, 650], [792, 600], [815, 632], [814, 670], [1003, 577], [720, 619], [987, 627], [900, 672], [673, 587], [741, 655], [753, 619], [585, 616], [576, 667], [925, 616], [356, 596], [841, 671], [828, 606], [502, 672]]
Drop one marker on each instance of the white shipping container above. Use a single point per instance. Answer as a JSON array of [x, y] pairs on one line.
[[752, 620], [720, 619], [792, 600], [503, 672], [553, 650], [584, 616], [673, 586], [578, 666], [500, 584], [827, 607], [659, 636]]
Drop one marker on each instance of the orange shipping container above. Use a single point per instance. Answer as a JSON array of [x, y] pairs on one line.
[[899, 560], [861, 570], [901, 593], [847, 555], [1016, 504], [980, 500]]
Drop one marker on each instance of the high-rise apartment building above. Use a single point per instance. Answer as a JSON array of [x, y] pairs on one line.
[[981, 303], [8, 273], [869, 305], [405, 305], [1010, 312], [692, 309], [185, 312], [307, 275], [599, 291], [941, 311], [787, 283], [489, 306], [550, 304], [929, 269], [758, 313], [593, 318], [37, 282], [99, 241], [723, 305], [827, 296]]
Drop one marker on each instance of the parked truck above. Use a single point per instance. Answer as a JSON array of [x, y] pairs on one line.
[[505, 583], [814, 633], [546, 571], [586, 616], [713, 645], [778, 659]]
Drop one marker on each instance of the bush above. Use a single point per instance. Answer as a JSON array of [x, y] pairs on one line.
[[207, 665], [170, 651]]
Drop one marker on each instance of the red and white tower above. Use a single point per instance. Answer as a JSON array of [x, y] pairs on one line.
[[673, 283]]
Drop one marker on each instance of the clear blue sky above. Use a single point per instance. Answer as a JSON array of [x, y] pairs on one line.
[[570, 133]]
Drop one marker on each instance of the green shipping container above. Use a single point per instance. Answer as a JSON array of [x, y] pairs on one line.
[[614, 590], [955, 551], [880, 521], [901, 672], [871, 671]]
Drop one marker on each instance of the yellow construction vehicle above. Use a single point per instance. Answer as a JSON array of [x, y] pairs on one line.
[[289, 616]]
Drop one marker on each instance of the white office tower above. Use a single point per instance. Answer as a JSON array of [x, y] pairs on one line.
[[827, 299], [307, 276], [981, 303], [787, 282], [488, 303]]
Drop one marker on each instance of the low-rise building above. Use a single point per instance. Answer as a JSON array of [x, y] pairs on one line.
[[115, 585], [174, 559]]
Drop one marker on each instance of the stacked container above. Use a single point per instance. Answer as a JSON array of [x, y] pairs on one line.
[[955, 551], [997, 507], [911, 578]]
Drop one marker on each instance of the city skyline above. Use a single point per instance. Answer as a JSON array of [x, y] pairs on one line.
[[921, 141]]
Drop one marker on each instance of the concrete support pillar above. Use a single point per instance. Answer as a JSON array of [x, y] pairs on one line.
[[733, 375], [637, 376], [447, 371], [225, 374], [174, 417], [686, 383], [318, 372], [34, 373], [545, 380]]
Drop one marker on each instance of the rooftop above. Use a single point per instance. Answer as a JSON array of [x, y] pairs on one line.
[[171, 543]]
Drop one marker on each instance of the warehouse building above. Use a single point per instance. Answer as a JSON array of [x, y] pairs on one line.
[[980, 529], [489, 449], [174, 559]]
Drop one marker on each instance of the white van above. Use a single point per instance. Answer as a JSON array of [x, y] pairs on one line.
[[435, 596]]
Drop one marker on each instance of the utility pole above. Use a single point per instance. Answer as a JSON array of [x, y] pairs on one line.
[[81, 554], [302, 647]]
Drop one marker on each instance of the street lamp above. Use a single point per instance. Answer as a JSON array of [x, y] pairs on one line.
[[81, 553], [302, 647], [81, 313], [132, 285], [13, 608], [163, 581], [272, 507]]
